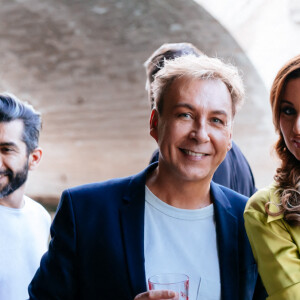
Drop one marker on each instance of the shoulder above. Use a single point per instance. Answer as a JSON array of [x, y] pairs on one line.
[[229, 199], [102, 195], [236, 153], [232, 195], [35, 208], [258, 201], [116, 185], [235, 198], [34, 205]]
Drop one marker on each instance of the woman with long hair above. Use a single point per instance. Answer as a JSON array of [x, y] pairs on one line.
[[272, 215]]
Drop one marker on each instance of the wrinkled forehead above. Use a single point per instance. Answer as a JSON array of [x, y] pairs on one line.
[[199, 92]]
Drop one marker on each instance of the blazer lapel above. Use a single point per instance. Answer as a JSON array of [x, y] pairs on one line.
[[132, 223], [227, 237]]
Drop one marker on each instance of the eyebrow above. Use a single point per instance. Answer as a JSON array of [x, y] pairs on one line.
[[8, 144], [191, 107], [286, 102], [184, 105]]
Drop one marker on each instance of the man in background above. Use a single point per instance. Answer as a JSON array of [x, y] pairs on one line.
[[24, 223]]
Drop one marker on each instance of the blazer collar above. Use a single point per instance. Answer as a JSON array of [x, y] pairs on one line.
[[227, 238], [132, 223]]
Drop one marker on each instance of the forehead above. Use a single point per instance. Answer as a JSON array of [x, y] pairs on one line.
[[292, 90], [212, 92], [11, 131]]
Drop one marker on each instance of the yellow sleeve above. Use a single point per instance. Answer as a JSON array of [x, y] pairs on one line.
[[276, 254], [290, 293]]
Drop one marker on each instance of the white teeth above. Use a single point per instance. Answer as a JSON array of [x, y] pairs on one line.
[[194, 153]]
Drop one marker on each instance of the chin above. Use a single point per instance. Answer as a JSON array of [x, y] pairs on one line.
[[194, 177], [297, 156], [295, 152]]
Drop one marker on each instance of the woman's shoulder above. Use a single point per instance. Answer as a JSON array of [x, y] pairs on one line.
[[258, 201]]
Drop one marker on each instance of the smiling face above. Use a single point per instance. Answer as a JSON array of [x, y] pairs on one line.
[[194, 129], [290, 116], [13, 157]]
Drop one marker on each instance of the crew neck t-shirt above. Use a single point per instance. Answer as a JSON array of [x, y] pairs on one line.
[[182, 241], [24, 238]]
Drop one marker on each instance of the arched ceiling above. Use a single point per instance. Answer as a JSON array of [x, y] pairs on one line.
[[81, 64]]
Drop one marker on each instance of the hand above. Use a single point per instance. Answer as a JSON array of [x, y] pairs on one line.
[[157, 295]]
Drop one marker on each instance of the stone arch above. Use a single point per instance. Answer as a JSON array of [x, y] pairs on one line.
[[80, 64]]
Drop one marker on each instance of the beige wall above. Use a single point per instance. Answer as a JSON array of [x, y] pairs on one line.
[[80, 64]]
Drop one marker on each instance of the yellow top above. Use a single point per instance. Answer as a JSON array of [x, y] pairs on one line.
[[275, 245]]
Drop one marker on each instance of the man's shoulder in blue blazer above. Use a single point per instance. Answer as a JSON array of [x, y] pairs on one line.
[[97, 245]]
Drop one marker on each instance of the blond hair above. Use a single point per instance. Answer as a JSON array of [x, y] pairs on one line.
[[156, 61], [202, 67]]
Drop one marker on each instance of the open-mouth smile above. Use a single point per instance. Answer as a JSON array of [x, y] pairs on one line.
[[192, 153]]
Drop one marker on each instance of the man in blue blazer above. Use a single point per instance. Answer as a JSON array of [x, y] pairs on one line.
[[108, 238], [234, 172]]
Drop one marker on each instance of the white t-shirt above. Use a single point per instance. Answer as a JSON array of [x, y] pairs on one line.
[[182, 241], [24, 237]]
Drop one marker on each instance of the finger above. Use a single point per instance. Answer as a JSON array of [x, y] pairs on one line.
[[156, 295]]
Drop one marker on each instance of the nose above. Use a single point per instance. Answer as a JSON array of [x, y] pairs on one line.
[[200, 132]]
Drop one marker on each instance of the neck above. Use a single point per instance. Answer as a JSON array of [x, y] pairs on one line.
[[15, 199], [180, 194]]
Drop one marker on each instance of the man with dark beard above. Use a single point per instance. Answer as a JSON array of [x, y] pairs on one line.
[[24, 223]]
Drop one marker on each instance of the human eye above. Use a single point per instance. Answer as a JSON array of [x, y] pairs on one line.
[[6, 149], [218, 121], [288, 110], [185, 116]]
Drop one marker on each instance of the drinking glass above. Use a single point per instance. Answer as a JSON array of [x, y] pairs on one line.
[[178, 283]]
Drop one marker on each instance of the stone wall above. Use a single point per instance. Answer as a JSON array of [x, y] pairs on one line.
[[80, 64]]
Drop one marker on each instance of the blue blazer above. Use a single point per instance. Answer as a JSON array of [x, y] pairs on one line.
[[97, 246]]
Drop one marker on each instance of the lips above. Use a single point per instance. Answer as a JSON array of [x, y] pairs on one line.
[[297, 142], [3, 175], [192, 153]]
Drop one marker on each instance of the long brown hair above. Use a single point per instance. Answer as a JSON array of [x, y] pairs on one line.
[[287, 175]]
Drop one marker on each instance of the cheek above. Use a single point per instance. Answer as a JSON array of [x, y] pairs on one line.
[[173, 130], [223, 140], [285, 127]]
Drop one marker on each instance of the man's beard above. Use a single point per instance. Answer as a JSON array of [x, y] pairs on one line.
[[15, 180]]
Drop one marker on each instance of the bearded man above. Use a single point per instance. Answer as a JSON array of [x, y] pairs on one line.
[[24, 223]]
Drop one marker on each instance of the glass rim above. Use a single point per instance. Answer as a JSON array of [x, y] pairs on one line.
[[181, 277]]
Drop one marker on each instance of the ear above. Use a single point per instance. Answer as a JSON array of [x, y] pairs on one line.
[[34, 158], [154, 124], [229, 141]]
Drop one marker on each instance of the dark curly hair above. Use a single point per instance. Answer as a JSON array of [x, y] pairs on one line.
[[287, 176]]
